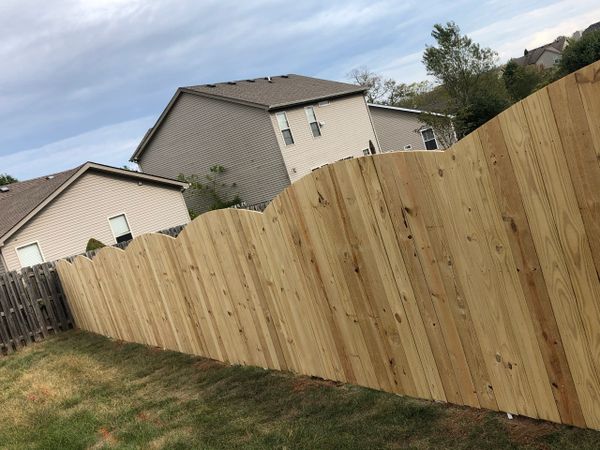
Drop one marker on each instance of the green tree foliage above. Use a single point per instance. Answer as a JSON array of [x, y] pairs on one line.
[[580, 53], [433, 99], [457, 62], [7, 179], [469, 75], [93, 244], [387, 91], [522, 81], [212, 189]]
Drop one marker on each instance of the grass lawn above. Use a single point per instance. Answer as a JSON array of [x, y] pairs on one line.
[[79, 390]]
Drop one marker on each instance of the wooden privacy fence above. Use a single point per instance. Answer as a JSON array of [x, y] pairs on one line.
[[32, 306], [468, 276]]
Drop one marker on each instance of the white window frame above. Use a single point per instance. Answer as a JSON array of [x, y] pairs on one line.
[[306, 109], [111, 228], [27, 245], [437, 144], [281, 130]]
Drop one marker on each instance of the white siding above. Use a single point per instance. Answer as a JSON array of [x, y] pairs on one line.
[[81, 212], [346, 132], [548, 59]]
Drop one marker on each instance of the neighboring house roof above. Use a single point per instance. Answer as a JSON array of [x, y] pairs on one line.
[[21, 201], [408, 110], [532, 56], [268, 93], [591, 28]]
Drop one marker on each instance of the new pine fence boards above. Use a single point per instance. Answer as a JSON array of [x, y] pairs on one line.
[[468, 276]]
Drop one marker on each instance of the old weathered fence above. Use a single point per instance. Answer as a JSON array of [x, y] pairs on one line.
[[32, 306], [468, 276]]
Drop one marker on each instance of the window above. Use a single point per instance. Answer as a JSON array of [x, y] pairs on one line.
[[30, 255], [284, 126], [312, 121], [429, 139], [120, 228]]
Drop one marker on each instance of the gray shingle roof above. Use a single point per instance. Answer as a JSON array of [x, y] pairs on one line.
[[277, 92], [531, 56], [23, 197], [593, 27]]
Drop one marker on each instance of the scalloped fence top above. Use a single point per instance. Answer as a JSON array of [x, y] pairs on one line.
[[468, 276]]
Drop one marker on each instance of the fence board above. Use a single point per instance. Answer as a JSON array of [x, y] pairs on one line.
[[467, 276], [32, 306]]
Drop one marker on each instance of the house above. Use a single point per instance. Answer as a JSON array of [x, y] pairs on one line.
[[266, 132], [546, 56], [53, 217], [593, 27], [402, 129], [269, 132]]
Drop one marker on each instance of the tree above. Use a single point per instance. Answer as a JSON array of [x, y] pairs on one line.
[[468, 74], [457, 62], [7, 179], [522, 81], [377, 85], [580, 53], [387, 91], [212, 189], [486, 102], [427, 98]]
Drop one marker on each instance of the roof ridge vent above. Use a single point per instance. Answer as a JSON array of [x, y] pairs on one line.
[[231, 82], [250, 81], [211, 85], [4, 189], [49, 177], [285, 76]]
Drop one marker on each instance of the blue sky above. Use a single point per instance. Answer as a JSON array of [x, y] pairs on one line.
[[83, 80]]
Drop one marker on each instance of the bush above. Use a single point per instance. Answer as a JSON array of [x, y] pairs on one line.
[[580, 53], [94, 244]]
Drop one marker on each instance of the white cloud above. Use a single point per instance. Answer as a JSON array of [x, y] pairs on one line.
[[539, 26], [111, 145]]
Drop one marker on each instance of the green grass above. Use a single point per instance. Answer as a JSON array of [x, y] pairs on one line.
[[79, 390]]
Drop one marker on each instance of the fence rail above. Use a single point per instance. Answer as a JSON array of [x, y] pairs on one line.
[[468, 276], [32, 306]]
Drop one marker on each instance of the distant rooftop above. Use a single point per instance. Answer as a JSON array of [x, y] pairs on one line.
[[276, 92], [531, 56]]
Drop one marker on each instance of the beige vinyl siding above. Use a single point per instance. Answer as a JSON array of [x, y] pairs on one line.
[[200, 132], [346, 132], [81, 212], [395, 129]]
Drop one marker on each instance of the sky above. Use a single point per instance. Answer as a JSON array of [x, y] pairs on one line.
[[83, 80]]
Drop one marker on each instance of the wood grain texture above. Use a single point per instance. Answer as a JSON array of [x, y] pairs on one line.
[[468, 276]]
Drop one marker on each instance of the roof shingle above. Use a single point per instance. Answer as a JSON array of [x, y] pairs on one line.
[[277, 92], [23, 197]]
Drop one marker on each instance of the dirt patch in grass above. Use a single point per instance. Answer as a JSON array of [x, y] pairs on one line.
[[302, 383], [529, 432], [79, 391]]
